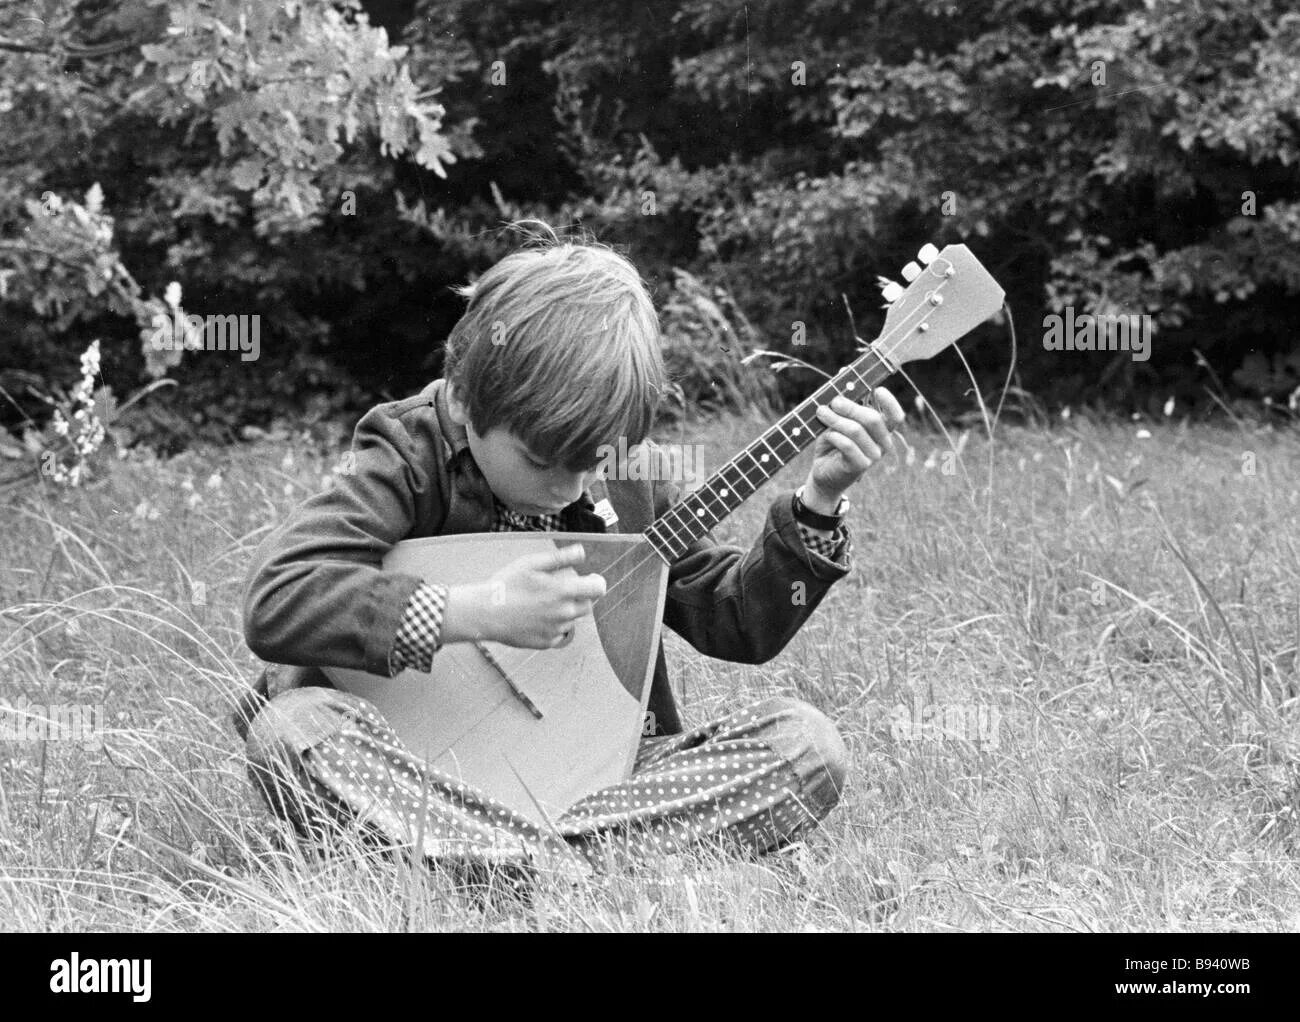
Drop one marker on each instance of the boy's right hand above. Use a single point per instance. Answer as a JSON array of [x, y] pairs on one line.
[[533, 602]]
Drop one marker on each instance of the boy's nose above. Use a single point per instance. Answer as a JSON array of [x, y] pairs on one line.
[[569, 496], [572, 489]]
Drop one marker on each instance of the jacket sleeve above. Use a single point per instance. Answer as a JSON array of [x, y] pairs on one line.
[[316, 596], [745, 606]]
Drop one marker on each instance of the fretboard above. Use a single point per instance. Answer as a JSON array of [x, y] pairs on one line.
[[736, 481]]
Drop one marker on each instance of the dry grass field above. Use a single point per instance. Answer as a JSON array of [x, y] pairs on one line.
[[1065, 663]]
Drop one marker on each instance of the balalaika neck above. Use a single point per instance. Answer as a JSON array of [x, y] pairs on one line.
[[729, 487]]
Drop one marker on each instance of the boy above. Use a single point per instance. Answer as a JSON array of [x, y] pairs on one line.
[[557, 355]]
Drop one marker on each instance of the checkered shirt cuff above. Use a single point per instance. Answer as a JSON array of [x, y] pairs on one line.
[[420, 631], [835, 547]]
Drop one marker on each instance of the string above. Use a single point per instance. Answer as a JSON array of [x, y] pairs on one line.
[[881, 342], [648, 549], [902, 326]]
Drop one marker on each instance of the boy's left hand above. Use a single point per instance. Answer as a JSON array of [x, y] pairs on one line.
[[856, 436]]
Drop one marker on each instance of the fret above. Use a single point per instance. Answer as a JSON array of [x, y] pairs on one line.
[[710, 492], [812, 422], [681, 521], [715, 495], [853, 368], [786, 437], [745, 475], [686, 523], [673, 530], [764, 459], [832, 388], [724, 493], [724, 487], [852, 386], [666, 551], [703, 508], [727, 488], [663, 522], [734, 485], [680, 544], [661, 545], [877, 371], [696, 507], [919, 324], [740, 482]]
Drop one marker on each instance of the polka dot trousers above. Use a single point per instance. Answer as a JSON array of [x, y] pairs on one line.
[[754, 779]]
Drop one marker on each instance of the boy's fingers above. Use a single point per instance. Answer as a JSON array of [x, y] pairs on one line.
[[561, 557], [576, 610], [857, 457], [878, 429], [588, 587], [881, 401], [864, 426], [889, 407], [563, 639]]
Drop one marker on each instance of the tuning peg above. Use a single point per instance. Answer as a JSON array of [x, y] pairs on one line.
[[927, 254], [911, 271], [892, 292]]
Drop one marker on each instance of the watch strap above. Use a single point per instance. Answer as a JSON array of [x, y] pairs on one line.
[[815, 520]]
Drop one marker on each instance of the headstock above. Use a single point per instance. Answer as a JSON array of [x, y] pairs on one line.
[[947, 295]]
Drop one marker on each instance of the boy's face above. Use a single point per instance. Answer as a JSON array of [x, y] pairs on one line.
[[521, 480]]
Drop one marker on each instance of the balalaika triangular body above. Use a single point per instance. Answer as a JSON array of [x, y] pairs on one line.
[[468, 721], [538, 730]]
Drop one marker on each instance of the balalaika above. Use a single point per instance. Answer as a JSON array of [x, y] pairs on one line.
[[540, 729]]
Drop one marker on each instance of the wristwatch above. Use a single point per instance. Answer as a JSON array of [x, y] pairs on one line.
[[810, 518]]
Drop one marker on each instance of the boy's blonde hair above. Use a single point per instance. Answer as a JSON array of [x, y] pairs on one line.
[[560, 345]]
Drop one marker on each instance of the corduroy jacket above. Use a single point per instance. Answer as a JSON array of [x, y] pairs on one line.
[[317, 597]]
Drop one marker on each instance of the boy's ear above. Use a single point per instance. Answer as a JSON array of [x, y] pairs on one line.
[[456, 407]]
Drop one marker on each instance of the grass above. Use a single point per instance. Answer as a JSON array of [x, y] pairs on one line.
[[1106, 624]]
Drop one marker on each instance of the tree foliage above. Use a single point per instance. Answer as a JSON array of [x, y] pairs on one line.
[[1133, 156], [217, 134]]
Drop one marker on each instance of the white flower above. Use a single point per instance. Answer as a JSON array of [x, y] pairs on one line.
[[90, 360], [90, 432], [1169, 408], [1144, 434], [172, 296]]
